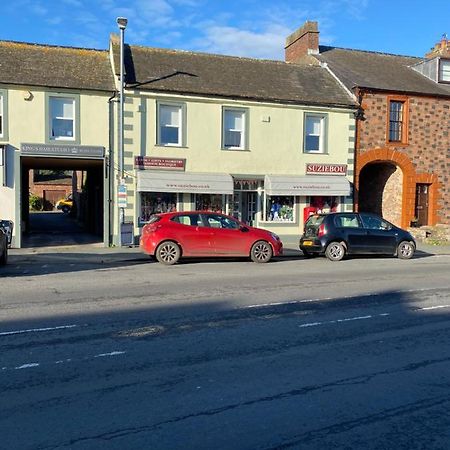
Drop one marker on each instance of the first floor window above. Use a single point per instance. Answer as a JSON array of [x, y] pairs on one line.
[[444, 70], [157, 202], [396, 121], [62, 118], [170, 125], [314, 134], [1, 114], [210, 202], [280, 208], [234, 125]]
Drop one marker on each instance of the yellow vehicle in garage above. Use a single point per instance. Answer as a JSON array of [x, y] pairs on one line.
[[65, 204]]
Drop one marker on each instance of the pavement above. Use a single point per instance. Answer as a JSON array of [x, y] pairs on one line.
[[97, 253]]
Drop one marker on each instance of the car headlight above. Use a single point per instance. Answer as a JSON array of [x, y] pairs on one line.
[[275, 236]]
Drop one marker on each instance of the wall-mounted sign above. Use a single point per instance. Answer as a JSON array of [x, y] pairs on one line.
[[122, 196], [326, 169], [75, 151], [150, 162]]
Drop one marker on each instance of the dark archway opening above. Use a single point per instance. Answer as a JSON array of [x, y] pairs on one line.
[[50, 225], [380, 190]]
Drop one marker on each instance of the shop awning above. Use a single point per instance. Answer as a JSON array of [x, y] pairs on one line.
[[196, 183], [306, 185]]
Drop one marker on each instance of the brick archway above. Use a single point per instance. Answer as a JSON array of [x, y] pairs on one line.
[[410, 178]]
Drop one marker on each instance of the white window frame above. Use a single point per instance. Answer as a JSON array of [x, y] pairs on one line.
[[323, 136], [181, 128], [442, 63], [244, 131], [72, 119], [75, 139], [3, 115], [2, 120]]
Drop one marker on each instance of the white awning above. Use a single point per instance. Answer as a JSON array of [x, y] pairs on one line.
[[306, 185], [200, 183]]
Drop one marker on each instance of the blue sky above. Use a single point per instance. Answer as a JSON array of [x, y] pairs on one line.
[[254, 28]]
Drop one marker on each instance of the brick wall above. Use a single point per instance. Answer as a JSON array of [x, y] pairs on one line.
[[425, 158]]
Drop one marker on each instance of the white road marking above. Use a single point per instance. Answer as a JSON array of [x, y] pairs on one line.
[[102, 355], [26, 366], [36, 330], [347, 319], [428, 308]]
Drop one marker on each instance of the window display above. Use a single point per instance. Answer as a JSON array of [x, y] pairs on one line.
[[157, 202], [209, 202], [280, 208], [325, 204]]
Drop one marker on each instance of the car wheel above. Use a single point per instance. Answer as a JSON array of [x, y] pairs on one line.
[[4, 257], [168, 253], [261, 252], [65, 209], [405, 250], [335, 251]]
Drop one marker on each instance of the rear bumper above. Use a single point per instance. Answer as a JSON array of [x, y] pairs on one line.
[[312, 245]]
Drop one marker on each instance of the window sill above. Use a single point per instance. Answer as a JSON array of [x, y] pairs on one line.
[[235, 149], [170, 146], [315, 153], [397, 144]]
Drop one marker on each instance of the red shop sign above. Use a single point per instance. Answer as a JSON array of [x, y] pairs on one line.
[[150, 162], [328, 169]]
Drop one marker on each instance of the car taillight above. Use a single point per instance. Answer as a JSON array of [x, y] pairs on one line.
[[322, 230], [150, 228]]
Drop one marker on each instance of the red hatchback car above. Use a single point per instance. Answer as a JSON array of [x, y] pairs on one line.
[[170, 236]]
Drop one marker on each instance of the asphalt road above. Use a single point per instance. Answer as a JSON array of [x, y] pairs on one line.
[[122, 353]]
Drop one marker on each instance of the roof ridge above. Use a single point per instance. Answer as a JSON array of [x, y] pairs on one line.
[[370, 51], [37, 44], [206, 54]]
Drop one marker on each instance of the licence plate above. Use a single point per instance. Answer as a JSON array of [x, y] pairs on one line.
[[307, 242]]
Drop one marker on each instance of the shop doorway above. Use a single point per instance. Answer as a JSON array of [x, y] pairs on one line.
[[380, 190], [80, 187], [421, 204], [245, 206]]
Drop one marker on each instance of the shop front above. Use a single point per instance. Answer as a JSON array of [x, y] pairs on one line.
[[166, 191], [289, 200]]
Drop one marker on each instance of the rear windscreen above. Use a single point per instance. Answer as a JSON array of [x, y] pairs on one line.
[[314, 221]]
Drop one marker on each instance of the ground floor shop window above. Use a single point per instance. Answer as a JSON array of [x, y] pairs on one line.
[[325, 204], [210, 202], [157, 202], [280, 208]]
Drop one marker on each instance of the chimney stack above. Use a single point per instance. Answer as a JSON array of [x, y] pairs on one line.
[[442, 48], [304, 41]]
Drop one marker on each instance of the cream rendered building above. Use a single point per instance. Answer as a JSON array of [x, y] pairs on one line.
[[54, 114], [265, 141]]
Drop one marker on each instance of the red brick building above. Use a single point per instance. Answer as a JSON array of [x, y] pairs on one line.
[[402, 149]]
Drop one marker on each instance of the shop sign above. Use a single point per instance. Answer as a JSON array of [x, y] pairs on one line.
[[122, 196], [77, 151], [150, 162], [328, 169]]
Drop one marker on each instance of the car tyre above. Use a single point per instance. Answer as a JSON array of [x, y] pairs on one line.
[[405, 250], [168, 253], [261, 252], [66, 209], [4, 257], [335, 251]]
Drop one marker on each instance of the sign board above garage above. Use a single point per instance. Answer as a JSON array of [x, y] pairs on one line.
[[72, 151]]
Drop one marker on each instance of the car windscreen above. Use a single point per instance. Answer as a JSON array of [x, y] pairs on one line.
[[314, 221]]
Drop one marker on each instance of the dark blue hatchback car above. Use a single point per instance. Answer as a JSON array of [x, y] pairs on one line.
[[339, 234]]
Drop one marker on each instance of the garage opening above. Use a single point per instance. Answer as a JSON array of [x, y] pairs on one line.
[[62, 201], [380, 190]]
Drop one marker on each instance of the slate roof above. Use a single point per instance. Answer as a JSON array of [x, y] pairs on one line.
[[53, 66], [182, 72], [383, 71]]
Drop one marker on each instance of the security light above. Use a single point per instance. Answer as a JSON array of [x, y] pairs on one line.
[[122, 22]]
